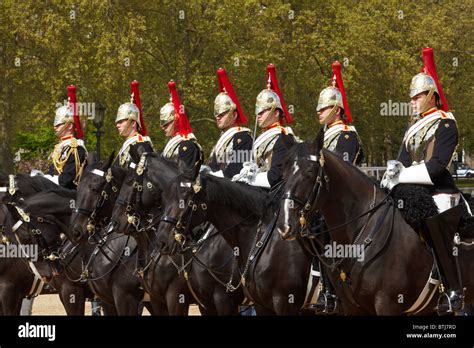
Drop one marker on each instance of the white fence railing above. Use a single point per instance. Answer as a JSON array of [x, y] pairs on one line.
[[376, 172]]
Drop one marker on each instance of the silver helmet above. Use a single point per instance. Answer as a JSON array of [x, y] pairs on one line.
[[422, 82], [166, 114], [223, 103], [63, 115], [267, 99], [128, 111], [330, 96]]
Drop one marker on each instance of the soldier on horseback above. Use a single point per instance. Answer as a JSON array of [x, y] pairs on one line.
[[234, 146], [182, 143], [424, 158], [342, 138], [333, 111], [270, 148], [69, 154], [131, 126]]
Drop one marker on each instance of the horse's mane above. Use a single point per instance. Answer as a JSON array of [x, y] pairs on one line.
[[37, 183], [244, 198], [303, 150], [50, 202]]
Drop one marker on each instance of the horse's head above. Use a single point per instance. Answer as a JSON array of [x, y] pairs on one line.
[[15, 188], [180, 209], [39, 226], [139, 194], [302, 172], [96, 185]]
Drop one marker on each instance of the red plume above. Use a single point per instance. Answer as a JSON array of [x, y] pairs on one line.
[[136, 100], [71, 96], [336, 69], [224, 83], [430, 69], [184, 128], [272, 79]]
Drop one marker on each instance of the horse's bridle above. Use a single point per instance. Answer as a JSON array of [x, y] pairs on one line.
[[104, 196], [314, 193], [133, 212], [191, 207]]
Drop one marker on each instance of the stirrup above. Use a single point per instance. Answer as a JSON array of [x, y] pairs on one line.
[[446, 307], [328, 307]]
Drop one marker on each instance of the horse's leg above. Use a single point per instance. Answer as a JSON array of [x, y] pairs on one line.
[[72, 298], [11, 299], [177, 301], [263, 311], [126, 301], [159, 307], [109, 309], [224, 302]]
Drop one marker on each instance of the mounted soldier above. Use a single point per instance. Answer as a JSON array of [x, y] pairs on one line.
[[341, 138], [333, 111], [69, 154], [234, 146], [424, 158], [270, 148], [182, 143], [131, 126]]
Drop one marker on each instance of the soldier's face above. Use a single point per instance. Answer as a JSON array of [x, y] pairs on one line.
[[126, 127], [266, 119], [62, 130], [168, 129], [323, 114], [419, 104], [226, 119]]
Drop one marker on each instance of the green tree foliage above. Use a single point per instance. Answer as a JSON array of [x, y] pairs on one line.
[[100, 46]]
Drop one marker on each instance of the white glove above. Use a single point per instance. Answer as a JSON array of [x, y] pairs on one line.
[[247, 173], [391, 177], [416, 174], [261, 179], [35, 172], [54, 178]]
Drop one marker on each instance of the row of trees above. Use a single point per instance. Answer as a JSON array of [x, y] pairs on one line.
[[100, 46]]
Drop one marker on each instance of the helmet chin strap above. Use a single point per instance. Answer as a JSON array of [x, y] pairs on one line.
[[272, 110], [425, 102], [329, 116], [61, 131]]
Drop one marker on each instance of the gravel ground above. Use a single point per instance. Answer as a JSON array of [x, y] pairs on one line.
[[49, 304]]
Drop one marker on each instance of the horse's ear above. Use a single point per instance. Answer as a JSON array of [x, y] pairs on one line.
[[109, 161], [318, 142]]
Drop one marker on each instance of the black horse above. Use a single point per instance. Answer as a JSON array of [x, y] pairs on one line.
[[206, 272], [47, 227], [16, 275], [16, 279], [273, 273], [110, 268], [396, 263]]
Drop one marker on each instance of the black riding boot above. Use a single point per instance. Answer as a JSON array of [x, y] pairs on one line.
[[327, 300], [440, 231]]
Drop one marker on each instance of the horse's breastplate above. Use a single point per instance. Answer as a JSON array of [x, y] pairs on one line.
[[420, 145]]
